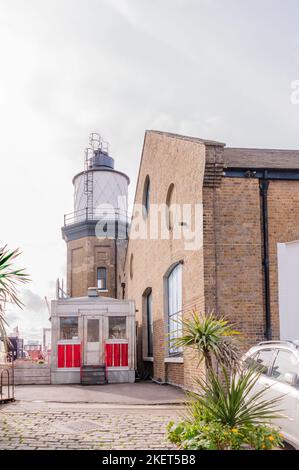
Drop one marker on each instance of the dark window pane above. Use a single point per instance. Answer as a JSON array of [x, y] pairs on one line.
[[68, 327], [93, 332], [102, 278], [147, 197], [150, 325], [117, 327]]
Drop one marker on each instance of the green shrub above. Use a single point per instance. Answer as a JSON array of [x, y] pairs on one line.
[[217, 436]]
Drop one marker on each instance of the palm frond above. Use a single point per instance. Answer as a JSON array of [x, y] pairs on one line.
[[10, 278], [233, 400], [210, 336]]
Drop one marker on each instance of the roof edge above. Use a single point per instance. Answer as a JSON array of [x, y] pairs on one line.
[[185, 137]]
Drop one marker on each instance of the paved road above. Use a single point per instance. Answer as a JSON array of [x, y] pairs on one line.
[[140, 393], [59, 425]]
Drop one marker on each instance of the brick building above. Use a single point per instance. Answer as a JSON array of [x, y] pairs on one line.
[[248, 223]]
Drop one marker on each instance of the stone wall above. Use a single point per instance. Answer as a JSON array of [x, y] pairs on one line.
[[30, 373]]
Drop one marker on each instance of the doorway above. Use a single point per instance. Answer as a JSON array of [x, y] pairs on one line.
[[92, 343]]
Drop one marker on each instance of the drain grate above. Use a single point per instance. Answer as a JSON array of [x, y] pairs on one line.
[[76, 426]]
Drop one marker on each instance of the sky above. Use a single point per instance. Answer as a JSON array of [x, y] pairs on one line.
[[215, 69]]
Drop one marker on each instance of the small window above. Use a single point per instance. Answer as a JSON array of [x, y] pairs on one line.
[[117, 328], [146, 196], [285, 363], [175, 306], [102, 278], [150, 325], [93, 330], [68, 327]]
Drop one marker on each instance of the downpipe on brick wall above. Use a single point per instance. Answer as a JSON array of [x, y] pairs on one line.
[[264, 185]]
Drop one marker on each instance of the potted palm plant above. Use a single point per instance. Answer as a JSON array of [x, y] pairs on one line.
[[226, 412], [10, 277]]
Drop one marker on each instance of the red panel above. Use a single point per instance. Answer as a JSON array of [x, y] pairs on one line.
[[60, 355], [109, 355], [124, 355], [116, 354], [77, 355], [68, 355]]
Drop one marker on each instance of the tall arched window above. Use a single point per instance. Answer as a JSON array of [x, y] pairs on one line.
[[146, 196], [175, 306], [149, 324], [169, 207]]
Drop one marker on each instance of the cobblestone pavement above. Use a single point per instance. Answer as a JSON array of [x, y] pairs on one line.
[[91, 426]]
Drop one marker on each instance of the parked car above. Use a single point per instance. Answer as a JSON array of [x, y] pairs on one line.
[[278, 364]]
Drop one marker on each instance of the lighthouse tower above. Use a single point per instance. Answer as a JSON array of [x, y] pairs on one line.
[[96, 231]]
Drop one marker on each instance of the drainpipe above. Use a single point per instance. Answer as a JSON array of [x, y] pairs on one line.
[[116, 261], [264, 185]]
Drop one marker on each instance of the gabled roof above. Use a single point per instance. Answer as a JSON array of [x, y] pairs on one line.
[[261, 158]]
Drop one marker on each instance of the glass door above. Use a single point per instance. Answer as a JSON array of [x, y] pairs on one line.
[[92, 342]]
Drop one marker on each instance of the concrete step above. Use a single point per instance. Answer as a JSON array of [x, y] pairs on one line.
[[93, 375], [93, 380]]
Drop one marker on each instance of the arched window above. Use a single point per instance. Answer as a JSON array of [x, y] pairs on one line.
[[175, 306], [149, 323], [146, 196], [102, 278], [131, 265], [169, 207]]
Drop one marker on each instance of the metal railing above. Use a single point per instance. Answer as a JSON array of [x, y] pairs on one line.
[[95, 214], [7, 383]]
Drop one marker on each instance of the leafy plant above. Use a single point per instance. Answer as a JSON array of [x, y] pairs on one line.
[[216, 436], [10, 277], [233, 400], [210, 337], [229, 413]]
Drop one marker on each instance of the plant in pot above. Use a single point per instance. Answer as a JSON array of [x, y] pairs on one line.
[[229, 411]]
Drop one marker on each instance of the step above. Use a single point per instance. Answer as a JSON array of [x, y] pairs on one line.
[[92, 381]]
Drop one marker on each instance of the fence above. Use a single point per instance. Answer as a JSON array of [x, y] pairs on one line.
[[7, 385]]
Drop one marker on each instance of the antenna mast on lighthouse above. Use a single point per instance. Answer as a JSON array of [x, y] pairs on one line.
[[96, 145]]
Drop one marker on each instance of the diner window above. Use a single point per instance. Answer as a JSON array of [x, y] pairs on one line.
[[102, 278], [117, 327], [69, 328], [174, 304]]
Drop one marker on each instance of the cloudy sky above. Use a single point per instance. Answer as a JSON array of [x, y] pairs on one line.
[[219, 69]]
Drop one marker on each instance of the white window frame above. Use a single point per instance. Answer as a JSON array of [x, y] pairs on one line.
[[174, 286]]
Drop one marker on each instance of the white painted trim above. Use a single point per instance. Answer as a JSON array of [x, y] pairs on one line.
[[118, 368], [117, 341], [148, 359], [175, 360], [67, 369], [69, 341]]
